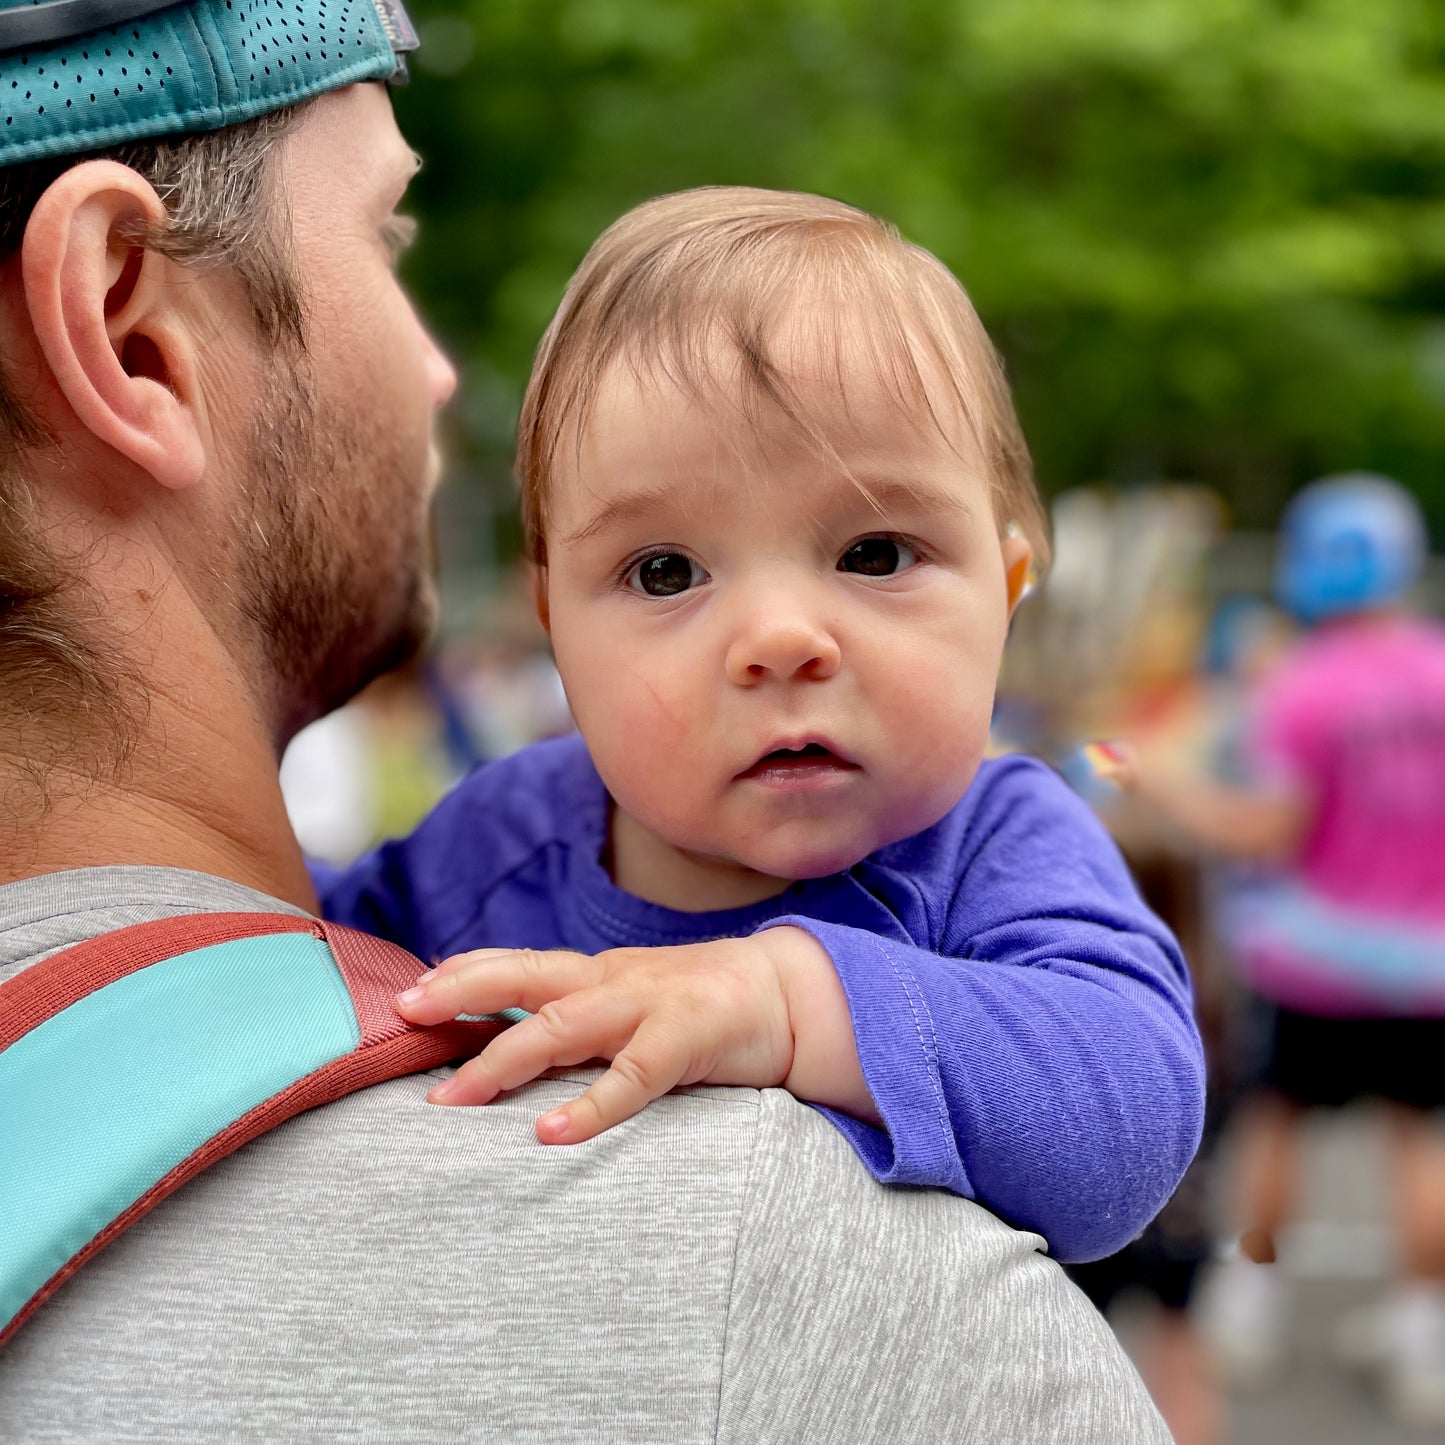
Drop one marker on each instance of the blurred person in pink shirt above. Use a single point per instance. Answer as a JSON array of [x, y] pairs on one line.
[[1343, 933]]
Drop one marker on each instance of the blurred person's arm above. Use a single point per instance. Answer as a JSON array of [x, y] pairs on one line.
[[1287, 737], [1250, 824]]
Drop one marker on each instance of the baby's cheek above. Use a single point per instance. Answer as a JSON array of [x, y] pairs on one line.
[[661, 711], [650, 736], [941, 735], [656, 765]]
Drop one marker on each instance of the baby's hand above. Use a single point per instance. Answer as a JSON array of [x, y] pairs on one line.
[[712, 1013]]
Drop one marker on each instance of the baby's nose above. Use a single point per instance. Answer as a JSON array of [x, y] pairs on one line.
[[783, 648]]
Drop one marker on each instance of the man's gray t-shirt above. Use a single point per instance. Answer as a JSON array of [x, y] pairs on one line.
[[718, 1269]]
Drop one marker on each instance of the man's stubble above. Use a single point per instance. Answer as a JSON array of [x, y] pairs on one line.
[[336, 583]]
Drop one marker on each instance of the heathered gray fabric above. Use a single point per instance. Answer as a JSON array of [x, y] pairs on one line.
[[719, 1269]]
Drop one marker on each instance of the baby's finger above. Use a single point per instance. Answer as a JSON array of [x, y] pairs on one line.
[[657, 1060], [460, 960], [492, 982], [588, 1025]]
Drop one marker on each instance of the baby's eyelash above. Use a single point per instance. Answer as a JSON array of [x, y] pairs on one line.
[[637, 558], [621, 574], [922, 552]]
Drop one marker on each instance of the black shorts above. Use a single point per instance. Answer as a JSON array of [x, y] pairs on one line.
[[1146, 1265], [1328, 1062]]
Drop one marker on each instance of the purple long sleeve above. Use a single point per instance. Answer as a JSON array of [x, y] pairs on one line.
[[1022, 1019], [1043, 1057]]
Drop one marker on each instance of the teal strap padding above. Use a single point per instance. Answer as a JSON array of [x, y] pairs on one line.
[[103, 1100]]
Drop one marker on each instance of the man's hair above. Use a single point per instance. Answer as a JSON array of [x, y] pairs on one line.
[[669, 281], [222, 209]]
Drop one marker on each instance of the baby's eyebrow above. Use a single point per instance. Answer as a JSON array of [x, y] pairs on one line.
[[885, 494], [625, 509], [901, 494]]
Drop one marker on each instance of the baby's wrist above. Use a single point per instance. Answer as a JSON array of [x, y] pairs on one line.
[[825, 1068]]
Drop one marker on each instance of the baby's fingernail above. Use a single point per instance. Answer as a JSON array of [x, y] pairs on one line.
[[553, 1125], [443, 1091], [411, 995]]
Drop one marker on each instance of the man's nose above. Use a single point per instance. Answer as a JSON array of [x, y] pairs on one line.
[[441, 375], [782, 645]]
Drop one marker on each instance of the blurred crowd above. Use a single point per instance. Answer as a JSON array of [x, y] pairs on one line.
[[1277, 781], [1218, 668]]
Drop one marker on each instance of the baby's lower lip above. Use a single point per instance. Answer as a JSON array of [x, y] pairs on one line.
[[797, 772]]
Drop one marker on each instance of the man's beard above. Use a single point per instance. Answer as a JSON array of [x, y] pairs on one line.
[[335, 572]]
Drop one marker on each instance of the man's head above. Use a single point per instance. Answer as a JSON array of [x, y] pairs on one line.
[[216, 405], [783, 511]]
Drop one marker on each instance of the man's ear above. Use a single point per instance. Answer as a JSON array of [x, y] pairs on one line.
[[539, 597], [106, 321], [1018, 567]]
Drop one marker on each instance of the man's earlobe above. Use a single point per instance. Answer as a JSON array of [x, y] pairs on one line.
[[107, 327]]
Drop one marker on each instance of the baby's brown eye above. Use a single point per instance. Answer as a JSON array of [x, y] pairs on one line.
[[877, 557], [666, 575]]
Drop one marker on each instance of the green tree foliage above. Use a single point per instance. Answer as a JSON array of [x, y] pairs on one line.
[[1208, 235]]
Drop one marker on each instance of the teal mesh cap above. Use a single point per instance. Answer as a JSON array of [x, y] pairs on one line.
[[139, 70]]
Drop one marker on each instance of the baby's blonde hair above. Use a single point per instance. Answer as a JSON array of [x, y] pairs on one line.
[[662, 285]]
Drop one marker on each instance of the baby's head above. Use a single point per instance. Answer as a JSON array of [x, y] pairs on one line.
[[781, 510]]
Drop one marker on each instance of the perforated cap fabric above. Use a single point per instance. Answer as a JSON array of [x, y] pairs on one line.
[[193, 66]]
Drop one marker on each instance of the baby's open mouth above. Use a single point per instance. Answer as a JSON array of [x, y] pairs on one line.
[[794, 762]]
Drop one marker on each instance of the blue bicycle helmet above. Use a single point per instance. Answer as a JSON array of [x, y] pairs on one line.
[[1349, 543]]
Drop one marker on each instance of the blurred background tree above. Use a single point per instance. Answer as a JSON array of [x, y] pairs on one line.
[[1208, 235]]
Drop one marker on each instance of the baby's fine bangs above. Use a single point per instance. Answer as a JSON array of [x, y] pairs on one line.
[[818, 319], [813, 360]]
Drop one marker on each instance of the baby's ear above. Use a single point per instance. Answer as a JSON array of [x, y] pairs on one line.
[[539, 598], [1018, 566]]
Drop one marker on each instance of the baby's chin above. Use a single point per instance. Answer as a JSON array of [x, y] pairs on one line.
[[821, 854], [805, 859]]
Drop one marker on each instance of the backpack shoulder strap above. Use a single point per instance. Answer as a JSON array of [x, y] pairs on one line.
[[131, 1062]]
